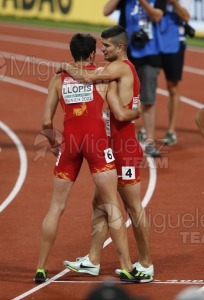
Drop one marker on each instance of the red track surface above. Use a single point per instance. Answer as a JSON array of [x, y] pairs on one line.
[[175, 210]]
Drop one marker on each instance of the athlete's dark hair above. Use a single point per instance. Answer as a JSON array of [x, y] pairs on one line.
[[82, 45], [117, 34]]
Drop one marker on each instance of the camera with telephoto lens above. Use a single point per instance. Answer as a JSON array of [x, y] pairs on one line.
[[139, 38], [190, 31]]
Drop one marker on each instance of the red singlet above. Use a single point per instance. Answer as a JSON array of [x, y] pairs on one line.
[[84, 131]]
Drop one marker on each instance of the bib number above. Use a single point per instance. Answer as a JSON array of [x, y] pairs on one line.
[[109, 155], [135, 102], [128, 173]]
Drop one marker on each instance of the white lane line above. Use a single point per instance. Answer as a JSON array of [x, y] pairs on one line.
[[91, 281], [38, 287], [64, 31], [152, 181], [33, 41], [37, 42], [23, 166], [25, 84], [194, 70], [183, 99], [54, 280], [185, 282], [50, 63], [169, 281], [26, 58], [19, 145]]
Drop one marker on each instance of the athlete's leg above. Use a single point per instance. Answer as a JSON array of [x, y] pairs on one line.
[[148, 77], [174, 101], [131, 197], [149, 113], [50, 223], [199, 118], [99, 229], [173, 67], [106, 183]]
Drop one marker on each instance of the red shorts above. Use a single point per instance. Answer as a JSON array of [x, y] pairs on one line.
[[87, 140], [127, 152]]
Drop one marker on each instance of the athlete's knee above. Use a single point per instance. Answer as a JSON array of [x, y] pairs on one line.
[[96, 200], [58, 209], [172, 87]]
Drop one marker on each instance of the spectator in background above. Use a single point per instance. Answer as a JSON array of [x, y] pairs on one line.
[[199, 119], [173, 45], [141, 19]]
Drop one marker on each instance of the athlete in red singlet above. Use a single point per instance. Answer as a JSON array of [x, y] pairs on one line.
[[127, 150], [84, 137], [122, 77], [84, 133]]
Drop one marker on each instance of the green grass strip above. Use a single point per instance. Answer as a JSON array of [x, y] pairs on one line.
[[54, 24]]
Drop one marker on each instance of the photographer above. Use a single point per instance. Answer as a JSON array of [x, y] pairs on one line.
[[144, 22], [141, 19]]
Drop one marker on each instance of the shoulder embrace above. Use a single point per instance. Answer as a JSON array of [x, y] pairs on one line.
[[117, 66]]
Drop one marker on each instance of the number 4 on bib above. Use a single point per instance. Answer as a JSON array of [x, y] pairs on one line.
[[128, 173]]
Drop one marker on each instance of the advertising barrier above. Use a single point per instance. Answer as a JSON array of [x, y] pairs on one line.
[[85, 11]]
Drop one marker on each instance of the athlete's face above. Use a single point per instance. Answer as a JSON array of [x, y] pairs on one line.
[[109, 50]]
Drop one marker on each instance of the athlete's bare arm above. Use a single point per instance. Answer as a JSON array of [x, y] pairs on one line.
[[49, 112], [155, 14], [51, 103], [120, 113], [110, 6], [112, 71], [181, 11], [83, 74]]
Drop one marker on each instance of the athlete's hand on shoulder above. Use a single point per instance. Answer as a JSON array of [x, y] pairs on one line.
[[60, 68], [64, 67]]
